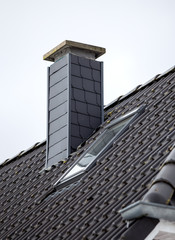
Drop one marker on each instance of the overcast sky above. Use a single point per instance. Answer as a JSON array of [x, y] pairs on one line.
[[139, 37]]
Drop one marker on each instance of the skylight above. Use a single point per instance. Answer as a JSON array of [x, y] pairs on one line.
[[101, 144]]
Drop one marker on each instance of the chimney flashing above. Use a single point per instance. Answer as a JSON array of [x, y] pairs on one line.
[[75, 48]]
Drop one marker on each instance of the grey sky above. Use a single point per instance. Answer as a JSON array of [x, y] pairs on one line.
[[139, 37]]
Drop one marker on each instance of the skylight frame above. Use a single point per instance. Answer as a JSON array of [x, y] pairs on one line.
[[132, 115]]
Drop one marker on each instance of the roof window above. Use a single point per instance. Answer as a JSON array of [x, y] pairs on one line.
[[112, 131]]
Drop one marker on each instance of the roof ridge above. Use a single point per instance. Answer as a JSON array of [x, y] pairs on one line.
[[122, 97], [21, 153]]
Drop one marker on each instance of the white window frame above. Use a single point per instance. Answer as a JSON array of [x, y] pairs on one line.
[[133, 115]]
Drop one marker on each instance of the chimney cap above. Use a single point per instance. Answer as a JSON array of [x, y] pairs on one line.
[[79, 49]]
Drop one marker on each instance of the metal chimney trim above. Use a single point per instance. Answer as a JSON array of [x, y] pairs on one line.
[[76, 48], [69, 106], [102, 91], [146, 209], [47, 118]]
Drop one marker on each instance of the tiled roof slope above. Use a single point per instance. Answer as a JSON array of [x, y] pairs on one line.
[[121, 176]]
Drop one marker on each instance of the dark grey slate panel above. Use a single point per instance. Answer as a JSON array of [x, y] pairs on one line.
[[97, 87], [78, 94], [73, 106], [75, 70], [77, 82], [95, 64], [91, 98], [57, 148], [75, 141], [81, 107], [94, 110], [58, 112], [58, 76], [74, 59], [96, 75], [88, 85], [98, 100], [84, 62], [74, 117], [75, 130], [58, 136], [83, 120], [86, 72], [58, 100], [58, 87], [58, 64], [95, 122], [85, 132], [57, 124]]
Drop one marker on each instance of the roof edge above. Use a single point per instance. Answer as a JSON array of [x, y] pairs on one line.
[[36, 145], [122, 97]]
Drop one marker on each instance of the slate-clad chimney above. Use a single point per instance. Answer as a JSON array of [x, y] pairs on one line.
[[75, 97]]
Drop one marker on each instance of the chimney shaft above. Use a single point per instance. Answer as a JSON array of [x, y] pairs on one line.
[[75, 97]]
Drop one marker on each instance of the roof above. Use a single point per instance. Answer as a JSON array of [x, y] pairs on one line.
[[30, 208]]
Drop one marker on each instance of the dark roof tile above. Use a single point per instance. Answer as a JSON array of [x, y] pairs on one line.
[[31, 208]]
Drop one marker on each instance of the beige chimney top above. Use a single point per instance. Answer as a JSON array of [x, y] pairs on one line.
[[79, 49]]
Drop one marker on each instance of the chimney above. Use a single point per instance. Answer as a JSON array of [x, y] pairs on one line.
[[75, 97]]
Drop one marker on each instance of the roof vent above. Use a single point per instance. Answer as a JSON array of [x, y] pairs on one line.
[[75, 97]]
